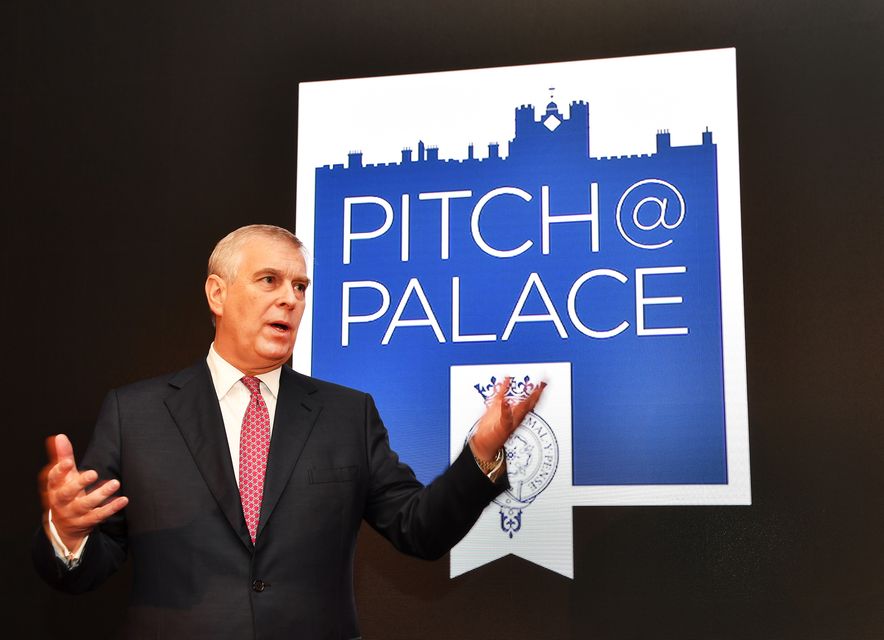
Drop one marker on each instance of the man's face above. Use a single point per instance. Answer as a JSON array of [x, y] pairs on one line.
[[258, 313]]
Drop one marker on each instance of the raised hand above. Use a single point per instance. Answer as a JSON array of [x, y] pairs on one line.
[[500, 420], [76, 511]]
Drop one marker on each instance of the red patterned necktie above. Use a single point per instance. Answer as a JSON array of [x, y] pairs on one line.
[[254, 444]]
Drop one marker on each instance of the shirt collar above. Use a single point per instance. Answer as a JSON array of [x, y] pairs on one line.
[[225, 375]]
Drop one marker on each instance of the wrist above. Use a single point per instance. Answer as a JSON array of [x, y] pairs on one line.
[[68, 548], [71, 541], [482, 453], [494, 467]]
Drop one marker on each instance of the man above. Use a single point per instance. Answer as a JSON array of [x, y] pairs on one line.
[[246, 481]]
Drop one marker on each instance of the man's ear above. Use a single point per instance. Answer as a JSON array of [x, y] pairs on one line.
[[216, 294]]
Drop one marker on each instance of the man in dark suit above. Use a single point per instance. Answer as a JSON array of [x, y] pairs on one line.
[[245, 481]]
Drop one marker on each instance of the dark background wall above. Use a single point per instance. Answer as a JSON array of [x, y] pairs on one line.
[[134, 135]]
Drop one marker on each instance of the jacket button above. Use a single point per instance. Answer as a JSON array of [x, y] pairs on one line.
[[259, 586]]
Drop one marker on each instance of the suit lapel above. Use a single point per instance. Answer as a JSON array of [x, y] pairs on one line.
[[195, 410], [296, 413]]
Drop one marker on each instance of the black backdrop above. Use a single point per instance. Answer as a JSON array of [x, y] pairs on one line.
[[134, 135]]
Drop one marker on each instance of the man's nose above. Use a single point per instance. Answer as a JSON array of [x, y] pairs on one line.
[[287, 296]]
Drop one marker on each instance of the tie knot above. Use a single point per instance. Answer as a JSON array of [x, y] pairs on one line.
[[252, 384]]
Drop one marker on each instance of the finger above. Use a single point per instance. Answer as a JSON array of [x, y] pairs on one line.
[[57, 474], [523, 408], [534, 398], [508, 420], [100, 494], [64, 450], [102, 513], [74, 484], [504, 387], [500, 398], [63, 473]]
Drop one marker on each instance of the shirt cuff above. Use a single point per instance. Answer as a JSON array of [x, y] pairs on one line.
[[70, 558]]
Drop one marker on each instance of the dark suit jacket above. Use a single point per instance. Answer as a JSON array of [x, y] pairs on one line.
[[196, 573]]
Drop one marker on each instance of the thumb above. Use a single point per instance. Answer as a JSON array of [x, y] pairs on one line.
[[64, 451]]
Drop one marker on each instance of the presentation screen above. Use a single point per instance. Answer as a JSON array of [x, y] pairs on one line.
[[573, 223]]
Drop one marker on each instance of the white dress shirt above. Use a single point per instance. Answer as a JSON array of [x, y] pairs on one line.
[[233, 396]]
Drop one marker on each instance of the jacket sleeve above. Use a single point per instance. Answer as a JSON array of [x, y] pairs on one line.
[[105, 549], [424, 521]]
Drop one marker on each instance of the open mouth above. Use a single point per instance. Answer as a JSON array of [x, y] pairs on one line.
[[281, 327]]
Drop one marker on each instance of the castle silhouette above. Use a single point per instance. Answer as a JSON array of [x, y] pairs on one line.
[[551, 137]]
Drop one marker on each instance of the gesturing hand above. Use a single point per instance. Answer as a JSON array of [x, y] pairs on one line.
[[500, 420], [75, 512]]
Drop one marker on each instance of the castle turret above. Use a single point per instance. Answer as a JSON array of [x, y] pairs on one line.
[[578, 121], [554, 134], [524, 119]]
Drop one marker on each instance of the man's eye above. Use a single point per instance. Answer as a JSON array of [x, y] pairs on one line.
[[300, 286], [268, 279]]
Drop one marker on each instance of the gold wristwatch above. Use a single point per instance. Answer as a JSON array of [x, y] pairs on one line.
[[492, 468]]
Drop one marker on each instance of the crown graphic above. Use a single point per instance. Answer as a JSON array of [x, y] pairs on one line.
[[519, 389]]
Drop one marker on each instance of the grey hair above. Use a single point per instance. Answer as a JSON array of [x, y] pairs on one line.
[[225, 258]]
